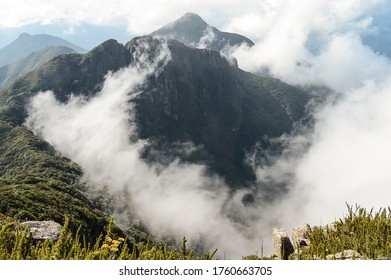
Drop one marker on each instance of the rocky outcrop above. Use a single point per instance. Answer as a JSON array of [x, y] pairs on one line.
[[300, 238], [282, 245], [43, 230], [283, 248]]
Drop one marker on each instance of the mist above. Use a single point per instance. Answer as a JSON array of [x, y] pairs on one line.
[[342, 158], [100, 135]]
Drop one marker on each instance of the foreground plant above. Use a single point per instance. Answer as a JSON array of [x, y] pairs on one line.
[[366, 232], [17, 244]]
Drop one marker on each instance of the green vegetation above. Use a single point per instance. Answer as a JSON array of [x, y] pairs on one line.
[[38, 184], [17, 244], [366, 232]]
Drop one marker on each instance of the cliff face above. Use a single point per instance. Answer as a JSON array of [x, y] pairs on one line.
[[202, 98]]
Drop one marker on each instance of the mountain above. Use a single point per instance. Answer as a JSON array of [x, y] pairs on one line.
[[193, 31], [82, 34], [199, 97], [25, 44], [12, 71]]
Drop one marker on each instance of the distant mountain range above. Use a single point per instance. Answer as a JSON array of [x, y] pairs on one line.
[[12, 71], [83, 34], [25, 44], [193, 31]]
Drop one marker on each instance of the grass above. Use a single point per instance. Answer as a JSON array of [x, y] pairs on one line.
[[367, 232], [17, 244]]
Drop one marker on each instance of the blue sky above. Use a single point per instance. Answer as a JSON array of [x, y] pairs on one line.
[[89, 22]]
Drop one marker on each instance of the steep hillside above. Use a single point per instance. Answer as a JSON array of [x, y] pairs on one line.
[[35, 181], [38, 184]]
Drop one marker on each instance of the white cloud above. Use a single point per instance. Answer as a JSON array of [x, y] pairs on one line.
[[142, 16], [176, 200], [345, 158], [340, 61]]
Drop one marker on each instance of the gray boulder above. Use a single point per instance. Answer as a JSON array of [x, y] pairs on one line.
[[282, 245], [300, 238], [43, 230]]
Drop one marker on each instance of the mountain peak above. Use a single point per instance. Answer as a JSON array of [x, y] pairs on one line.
[[191, 17], [24, 35], [190, 22], [193, 31]]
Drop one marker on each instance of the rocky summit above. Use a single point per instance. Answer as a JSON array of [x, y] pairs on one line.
[[193, 31]]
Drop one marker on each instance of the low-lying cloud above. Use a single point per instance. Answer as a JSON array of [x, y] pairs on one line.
[[343, 157], [175, 200]]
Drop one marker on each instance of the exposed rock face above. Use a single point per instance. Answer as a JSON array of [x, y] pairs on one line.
[[299, 238], [43, 230], [202, 98], [281, 244]]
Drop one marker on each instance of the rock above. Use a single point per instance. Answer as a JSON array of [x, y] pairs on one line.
[[281, 243], [299, 238], [42, 230], [345, 255]]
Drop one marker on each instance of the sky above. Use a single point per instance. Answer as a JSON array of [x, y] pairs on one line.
[[344, 158], [132, 17]]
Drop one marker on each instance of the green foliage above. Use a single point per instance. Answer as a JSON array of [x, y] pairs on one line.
[[17, 244], [367, 232], [36, 183]]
